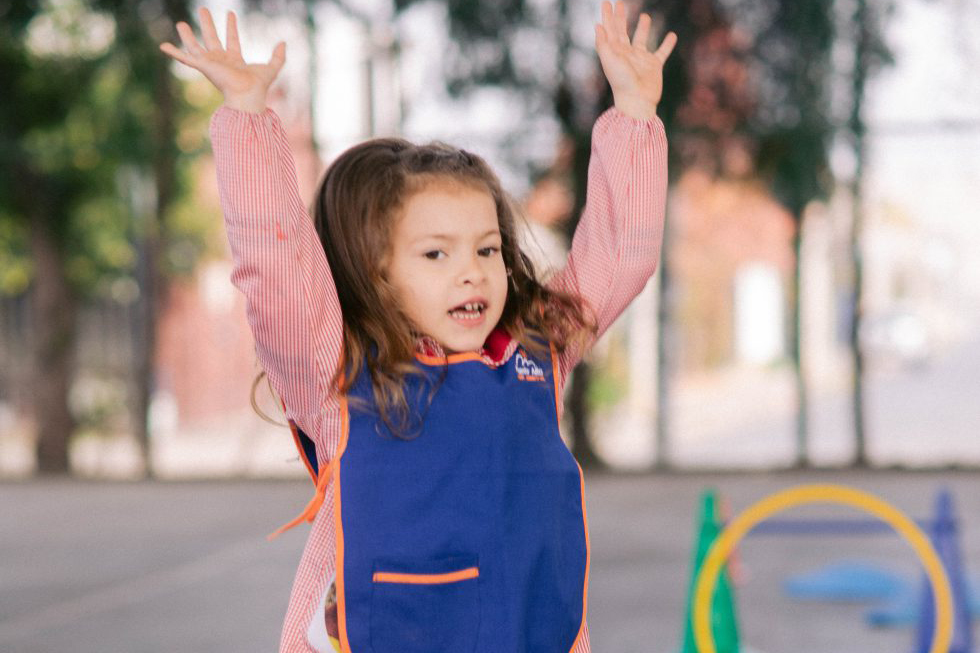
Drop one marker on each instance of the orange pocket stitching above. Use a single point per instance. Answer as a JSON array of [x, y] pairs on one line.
[[425, 579]]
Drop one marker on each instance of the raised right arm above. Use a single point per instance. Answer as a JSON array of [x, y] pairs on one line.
[[279, 263]]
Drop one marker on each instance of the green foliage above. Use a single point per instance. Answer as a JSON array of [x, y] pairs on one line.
[[609, 383], [101, 247], [80, 143], [485, 20], [193, 231], [15, 264], [795, 123]]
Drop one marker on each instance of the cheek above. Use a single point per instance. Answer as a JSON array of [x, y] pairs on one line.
[[500, 272], [501, 280], [411, 289], [395, 277]]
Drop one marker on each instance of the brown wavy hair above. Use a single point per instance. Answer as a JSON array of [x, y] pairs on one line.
[[357, 202]]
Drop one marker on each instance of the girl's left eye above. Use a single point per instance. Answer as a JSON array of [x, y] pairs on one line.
[[488, 251]]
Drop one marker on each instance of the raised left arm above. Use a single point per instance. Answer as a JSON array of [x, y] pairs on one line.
[[616, 246]]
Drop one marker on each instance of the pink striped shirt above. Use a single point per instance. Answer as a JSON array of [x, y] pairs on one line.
[[295, 317]]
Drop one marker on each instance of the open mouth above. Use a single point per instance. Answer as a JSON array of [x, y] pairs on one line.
[[468, 311]]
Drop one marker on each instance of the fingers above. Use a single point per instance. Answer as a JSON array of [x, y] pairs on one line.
[[600, 36], [613, 30], [613, 24], [177, 54], [208, 32], [620, 15], [642, 33], [188, 39], [231, 35]]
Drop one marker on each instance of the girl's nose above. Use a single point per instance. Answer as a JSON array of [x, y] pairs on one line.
[[472, 271]]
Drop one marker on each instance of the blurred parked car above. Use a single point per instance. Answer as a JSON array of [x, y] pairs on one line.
[[898, 336]]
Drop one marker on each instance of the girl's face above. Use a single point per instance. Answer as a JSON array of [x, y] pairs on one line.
[[446, 266]]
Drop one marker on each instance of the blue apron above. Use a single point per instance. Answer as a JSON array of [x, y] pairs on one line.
[[471, 535]]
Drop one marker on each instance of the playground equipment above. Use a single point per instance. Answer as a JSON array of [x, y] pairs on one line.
[[943, 533], [904, 602], [941, 630], [860, 581], [724, 622]]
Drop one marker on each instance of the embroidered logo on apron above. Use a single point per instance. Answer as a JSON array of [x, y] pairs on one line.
[[527, 369]]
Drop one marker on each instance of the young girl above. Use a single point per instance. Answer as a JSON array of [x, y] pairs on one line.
[[421, 364]]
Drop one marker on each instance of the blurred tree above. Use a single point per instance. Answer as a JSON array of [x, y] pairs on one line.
[[706, 104], [88, 140], [787, 122], [794, 129], [141, 26], [305, 11], [47, 149], [870, 55]]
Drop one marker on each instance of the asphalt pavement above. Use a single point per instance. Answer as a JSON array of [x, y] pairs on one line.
[[143, 567]]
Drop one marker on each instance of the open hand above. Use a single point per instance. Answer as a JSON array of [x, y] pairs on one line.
[[243, 85], [634, 73]]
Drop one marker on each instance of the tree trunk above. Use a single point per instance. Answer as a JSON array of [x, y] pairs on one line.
[[665, 338], [796, 353], [857, 128], [582, 447], [568, 112], [52, 311], [143, 369], [312, 77], [151, 281], [148, 273]]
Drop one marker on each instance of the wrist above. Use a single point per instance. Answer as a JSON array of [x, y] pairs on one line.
[[636, 108], [249, 103]]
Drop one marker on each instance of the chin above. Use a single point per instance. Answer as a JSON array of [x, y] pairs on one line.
[[462, 347], [473, 343]]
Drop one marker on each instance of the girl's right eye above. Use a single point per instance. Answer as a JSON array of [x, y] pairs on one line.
[[434, 254]]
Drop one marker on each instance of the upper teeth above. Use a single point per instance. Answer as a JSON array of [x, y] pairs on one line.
[[471, 306]]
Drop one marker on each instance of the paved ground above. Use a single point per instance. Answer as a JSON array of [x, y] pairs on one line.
[[92, 567]]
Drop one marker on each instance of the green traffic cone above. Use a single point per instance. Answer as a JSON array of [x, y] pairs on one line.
[[723, 624]]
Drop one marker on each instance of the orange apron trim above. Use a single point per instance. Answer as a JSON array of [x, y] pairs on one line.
[[448, 360], [585, 517], [425, 579], [309, 513]]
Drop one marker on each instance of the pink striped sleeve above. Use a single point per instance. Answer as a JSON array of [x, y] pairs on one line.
[[617, 242], [279, 265]]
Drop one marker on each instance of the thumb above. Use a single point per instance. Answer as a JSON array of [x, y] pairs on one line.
[[667, 46], [278, 57]]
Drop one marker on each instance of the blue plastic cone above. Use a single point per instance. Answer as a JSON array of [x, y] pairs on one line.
[[943, 532]]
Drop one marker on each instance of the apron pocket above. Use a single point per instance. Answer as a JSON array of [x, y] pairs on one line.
[[425, 606]]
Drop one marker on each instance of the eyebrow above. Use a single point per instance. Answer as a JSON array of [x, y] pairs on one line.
[[447, 237]]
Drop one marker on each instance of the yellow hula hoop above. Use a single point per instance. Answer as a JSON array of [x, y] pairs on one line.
[[795, 496]]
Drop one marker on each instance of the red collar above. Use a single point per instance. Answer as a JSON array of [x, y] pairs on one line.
[[496, 344]]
